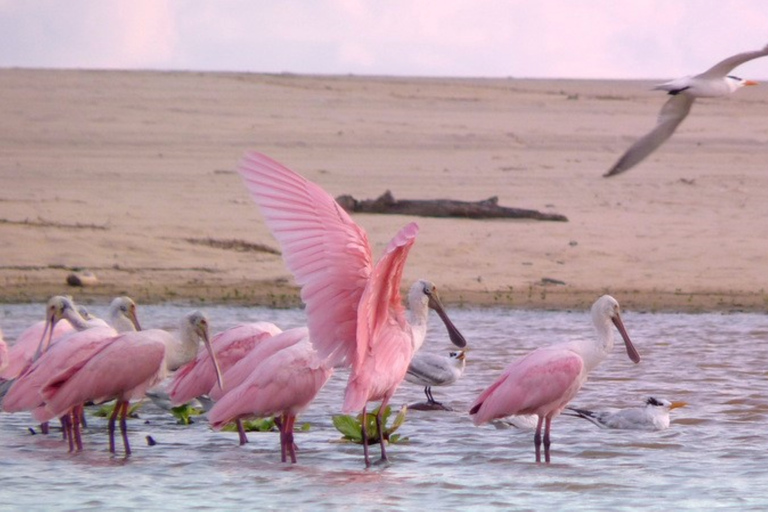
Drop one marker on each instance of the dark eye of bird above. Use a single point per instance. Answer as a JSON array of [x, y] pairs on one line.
[[734, 77]]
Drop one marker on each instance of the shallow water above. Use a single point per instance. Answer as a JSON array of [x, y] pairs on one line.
[[713, 455]]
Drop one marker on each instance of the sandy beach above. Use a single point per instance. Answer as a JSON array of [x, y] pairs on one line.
[[131, 176]]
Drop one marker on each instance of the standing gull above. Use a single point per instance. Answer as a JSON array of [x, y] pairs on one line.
[[435, 370], [712, 83]]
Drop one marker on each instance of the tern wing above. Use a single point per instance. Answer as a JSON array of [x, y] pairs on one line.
[[725, 66], [674, 111]]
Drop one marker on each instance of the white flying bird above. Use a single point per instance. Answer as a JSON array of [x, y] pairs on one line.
[[712, 83], [654, 416]]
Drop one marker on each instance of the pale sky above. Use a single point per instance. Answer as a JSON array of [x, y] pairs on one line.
[[489, 38]]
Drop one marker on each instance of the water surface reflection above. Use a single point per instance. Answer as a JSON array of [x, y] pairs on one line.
[[712, 456]]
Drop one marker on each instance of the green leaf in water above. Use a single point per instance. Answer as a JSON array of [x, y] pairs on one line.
[[351, 427], [184, 413]]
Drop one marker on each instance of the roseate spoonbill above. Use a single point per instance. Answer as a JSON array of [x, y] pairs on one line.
[[545, 380], [197, 377], [242, 369], [712, 83], [354, 310], [32, 341], [283, 385], [3, 353], [122, 314], [653, 416], [72, 349], [122, 369], [435, 370], [182, 346]]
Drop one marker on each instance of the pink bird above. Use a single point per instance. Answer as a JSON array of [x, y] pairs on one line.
[[242, 369], [354, 311], [283, 385], [72, 349], [3, 353], [198, 377], [123, 369], [181, 347], [544, 381], [23, 351], [121, 372]]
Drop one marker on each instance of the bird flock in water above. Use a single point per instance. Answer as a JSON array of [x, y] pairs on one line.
[[355, 321]]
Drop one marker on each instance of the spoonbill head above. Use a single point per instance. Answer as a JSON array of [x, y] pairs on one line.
[[183, 349], [59, 308], [122, 314]]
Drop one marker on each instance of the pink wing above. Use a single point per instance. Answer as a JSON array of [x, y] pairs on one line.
[[328, 254], [74, 348], [242, 370], [125, 368], [541, 382], [3, 354], [286, 382], [382, 331], [21, 353], [198, 377]]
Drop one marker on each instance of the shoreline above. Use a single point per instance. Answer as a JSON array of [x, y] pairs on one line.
[[131, 175], [281, 293]]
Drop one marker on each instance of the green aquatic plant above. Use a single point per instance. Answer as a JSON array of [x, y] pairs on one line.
[[184, 413], [351, 426], [262, 425], [106, 410]]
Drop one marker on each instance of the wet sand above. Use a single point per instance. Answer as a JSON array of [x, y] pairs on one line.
[[130, 175]]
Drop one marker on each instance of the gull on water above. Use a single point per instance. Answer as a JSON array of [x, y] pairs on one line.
[[653, 416]]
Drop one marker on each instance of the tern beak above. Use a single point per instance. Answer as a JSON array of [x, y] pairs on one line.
[[751, 82], [675, 405]]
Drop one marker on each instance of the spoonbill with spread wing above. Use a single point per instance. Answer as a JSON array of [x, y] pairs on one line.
[[354, 310]]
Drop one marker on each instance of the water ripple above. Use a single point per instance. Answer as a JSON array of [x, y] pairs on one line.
[[713, 456]]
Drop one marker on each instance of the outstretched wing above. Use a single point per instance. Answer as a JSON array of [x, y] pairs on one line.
[[381, 328], [725, 66], [674, 111], [381, 305], [328, 254]]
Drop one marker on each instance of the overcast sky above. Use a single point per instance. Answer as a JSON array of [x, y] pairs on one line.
[[494, 38]]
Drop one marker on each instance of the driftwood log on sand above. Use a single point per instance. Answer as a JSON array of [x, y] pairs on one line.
[[486, 209]]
